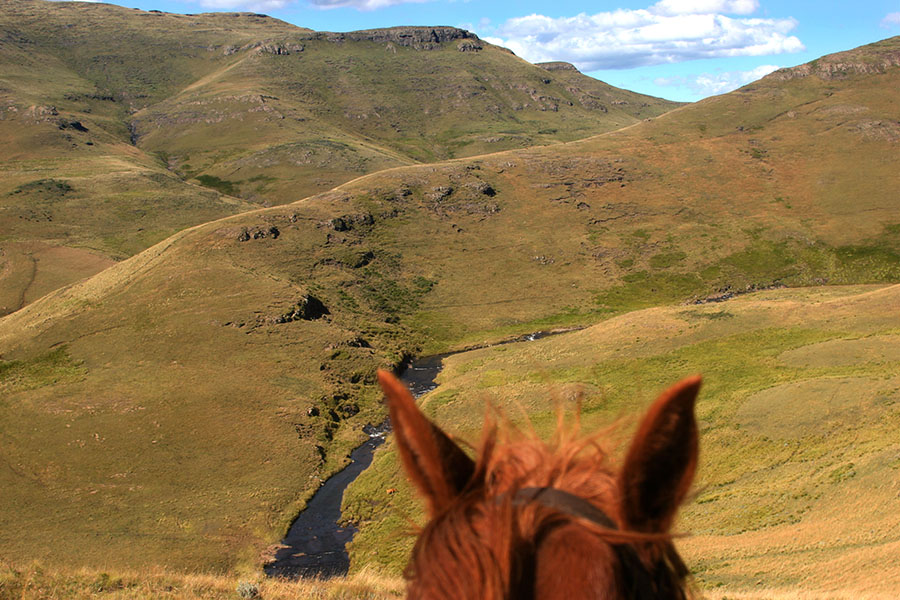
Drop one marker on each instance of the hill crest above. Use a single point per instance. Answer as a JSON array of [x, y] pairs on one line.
[[871, 59]]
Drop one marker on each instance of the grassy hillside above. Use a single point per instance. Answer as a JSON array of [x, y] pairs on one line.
[[798, 419], [332, 106], [168, 396], [121, 127]]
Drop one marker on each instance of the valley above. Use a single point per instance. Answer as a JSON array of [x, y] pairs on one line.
[[196, 302], [150, 122]]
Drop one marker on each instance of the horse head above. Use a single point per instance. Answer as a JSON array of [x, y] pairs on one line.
[[530, 520]]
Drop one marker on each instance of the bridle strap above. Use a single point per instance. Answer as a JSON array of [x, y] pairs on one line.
[[638, 581], [564, 502]]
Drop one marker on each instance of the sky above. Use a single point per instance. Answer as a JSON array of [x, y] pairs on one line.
[[682, 50]]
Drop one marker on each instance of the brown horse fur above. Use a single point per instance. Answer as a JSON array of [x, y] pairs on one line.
[[483, 542]]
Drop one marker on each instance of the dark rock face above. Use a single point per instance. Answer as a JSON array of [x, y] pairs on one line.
[[473, 197], [348, 222], [76, 125], [258, 233], [280, 49], [483, 188], [308, 308], [418, 38], [349, 409], [440, 193]]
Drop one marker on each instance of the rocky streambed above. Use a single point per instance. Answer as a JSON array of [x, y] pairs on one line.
[[316, 543]]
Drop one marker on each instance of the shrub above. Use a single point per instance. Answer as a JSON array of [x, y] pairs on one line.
[[247, 589]]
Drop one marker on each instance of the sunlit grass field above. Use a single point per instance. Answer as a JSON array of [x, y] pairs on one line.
[[799, 416], [35, 582]]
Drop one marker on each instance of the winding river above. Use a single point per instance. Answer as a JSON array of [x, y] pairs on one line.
[[315, 545]]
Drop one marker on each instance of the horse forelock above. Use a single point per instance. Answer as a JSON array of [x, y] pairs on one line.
[[486, 545]]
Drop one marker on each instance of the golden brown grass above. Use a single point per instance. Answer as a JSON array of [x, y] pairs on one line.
[[770, 594], [33, 582]]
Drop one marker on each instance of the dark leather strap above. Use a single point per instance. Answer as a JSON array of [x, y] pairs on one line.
[[564, 502], [636, 578]]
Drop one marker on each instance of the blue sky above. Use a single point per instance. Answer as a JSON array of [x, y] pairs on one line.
[[677, 49]]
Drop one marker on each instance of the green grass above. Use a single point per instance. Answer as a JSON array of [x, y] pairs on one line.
[[220, 185], [55, 367], [762, 264], [781, 443], [45, 188]]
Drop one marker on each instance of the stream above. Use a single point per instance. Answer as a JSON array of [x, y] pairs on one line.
[[315, 545]]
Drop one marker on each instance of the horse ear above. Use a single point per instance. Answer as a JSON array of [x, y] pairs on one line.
[[438, 467], [660, 464]]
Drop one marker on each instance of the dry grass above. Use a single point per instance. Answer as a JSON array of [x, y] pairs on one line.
[[35, 582], [768, 594]]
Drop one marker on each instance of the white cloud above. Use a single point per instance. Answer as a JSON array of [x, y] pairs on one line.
[[710, 84], [697, 7], [891, 20], [668, 32], [263, 5], [254, 5], [363, 5]]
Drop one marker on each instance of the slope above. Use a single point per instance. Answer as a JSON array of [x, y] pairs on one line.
[[121, 126], [75, 192], [185, 402], [798, 419], [301, 114]]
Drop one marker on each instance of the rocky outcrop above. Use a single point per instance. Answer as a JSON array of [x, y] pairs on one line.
[[41, 113], [349, 222], [883, 130], [842, 65], [258, 233], [473, 197], [482, 187], [557, 65], [541, 101], [70, 124], [418, 38], [308, 308], [280, 48]]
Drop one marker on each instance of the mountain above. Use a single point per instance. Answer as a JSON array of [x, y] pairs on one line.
[[182, 404], [121, 127]]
